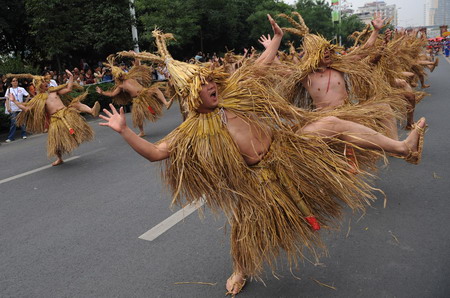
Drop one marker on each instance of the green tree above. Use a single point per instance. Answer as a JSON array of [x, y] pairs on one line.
[[258, 19], [350, 24], [208, 25], [67, 31], [178, 17], [14, 27], [317, 16]]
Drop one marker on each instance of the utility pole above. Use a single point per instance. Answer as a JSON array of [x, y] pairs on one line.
[[134, 32], [336, 18]]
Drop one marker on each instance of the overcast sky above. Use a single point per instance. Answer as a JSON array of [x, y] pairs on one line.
[[411, 12]]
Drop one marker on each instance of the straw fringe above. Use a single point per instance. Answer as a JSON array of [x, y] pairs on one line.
[[265, 203], [34, 117], [146, 106], [62, 123]]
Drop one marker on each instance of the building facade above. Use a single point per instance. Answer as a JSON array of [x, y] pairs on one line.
[[437, 12], [366, 12]]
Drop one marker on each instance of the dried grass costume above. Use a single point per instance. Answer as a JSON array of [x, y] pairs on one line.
[[146, 106], [267, 204], [366, 89], [67, 129]]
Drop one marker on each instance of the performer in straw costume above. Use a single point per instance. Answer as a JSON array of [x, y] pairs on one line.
[[238, 150], [132, 87], [67, 128]]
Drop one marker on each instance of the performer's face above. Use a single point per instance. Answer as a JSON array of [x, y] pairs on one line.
[[44, 87], [326, 59], [209, 97]]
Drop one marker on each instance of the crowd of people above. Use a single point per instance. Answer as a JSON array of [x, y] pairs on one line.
[[82, 76], [277, 141], [439, 45]]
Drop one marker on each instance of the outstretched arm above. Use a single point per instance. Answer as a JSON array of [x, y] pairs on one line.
[[107, 93], [69, 86], [271, 51], [116, 120], [377, 24]]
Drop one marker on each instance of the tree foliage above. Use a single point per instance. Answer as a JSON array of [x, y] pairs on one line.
[[66, 31], [63, 32], [14, 28]]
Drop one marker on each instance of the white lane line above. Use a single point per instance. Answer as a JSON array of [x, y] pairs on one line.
[[169, 222], [46, 167], [33, 171]]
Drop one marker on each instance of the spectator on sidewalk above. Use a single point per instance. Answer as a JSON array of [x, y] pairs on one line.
[[48, 76], [98, 74], [13, 110], [108, 75]]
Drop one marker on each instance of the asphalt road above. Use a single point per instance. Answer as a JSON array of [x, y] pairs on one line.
[[73, 230]]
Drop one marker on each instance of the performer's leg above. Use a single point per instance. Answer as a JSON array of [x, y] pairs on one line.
[[141, 130], [163, 99], [363, 136], [430, 64], [59, 160], [407, 74], [94, 111], [389, 122], [411, 99], [422, 81]]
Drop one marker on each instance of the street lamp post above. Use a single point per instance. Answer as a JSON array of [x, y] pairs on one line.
[[134, 32]]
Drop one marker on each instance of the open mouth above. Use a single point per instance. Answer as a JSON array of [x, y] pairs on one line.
[[213, 94]]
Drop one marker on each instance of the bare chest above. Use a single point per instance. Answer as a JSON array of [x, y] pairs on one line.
[[252, 140], [53, 103], [132, 87], [327, 80], [326, 88]]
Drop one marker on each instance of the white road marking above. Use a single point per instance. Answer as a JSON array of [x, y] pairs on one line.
[[34, 171], [169, 222], [46, 167]]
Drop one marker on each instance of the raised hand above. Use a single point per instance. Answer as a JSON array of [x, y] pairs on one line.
[[265, 41], [276, 29], [377, 21], [69, 73], [115, 120], [387, 35]]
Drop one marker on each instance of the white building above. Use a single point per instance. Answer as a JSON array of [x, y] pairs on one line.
[[366, 12], [437, 12]]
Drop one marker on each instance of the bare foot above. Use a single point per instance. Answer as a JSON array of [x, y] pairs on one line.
[[436, 63], [235, 283], [57, 162], [412, 141], [95, 109], [169, 104], [141, 134], [425, 86]]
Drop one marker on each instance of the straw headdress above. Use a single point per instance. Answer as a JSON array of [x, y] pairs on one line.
[[313, 46], [186, 79], [37, 80]]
